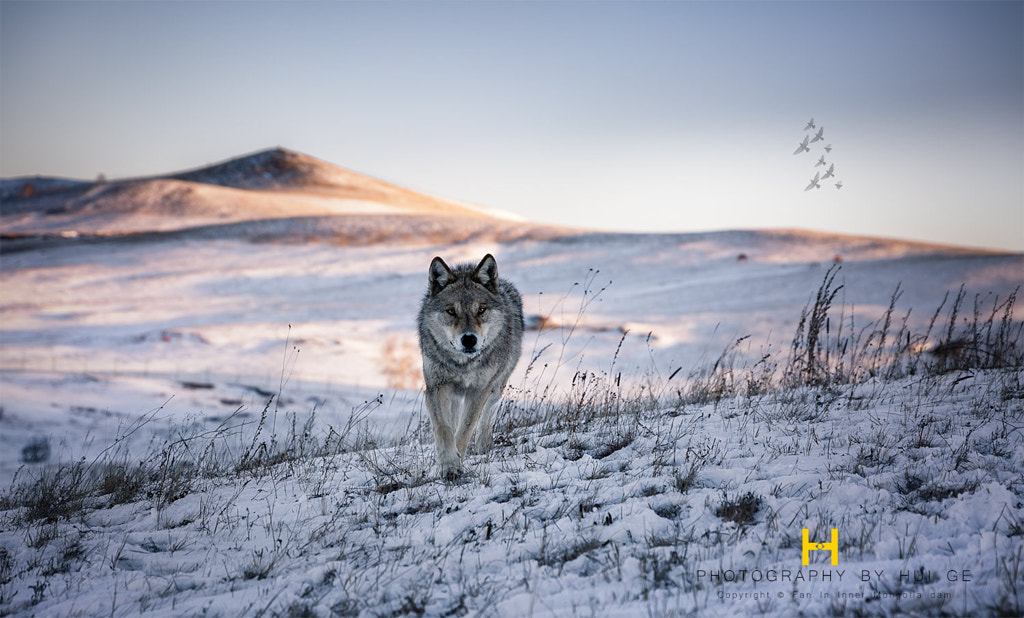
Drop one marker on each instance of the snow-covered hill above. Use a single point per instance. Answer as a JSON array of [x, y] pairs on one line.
[[272, 184], [240, 382]]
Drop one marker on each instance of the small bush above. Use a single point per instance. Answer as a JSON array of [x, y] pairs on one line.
[[684, 481], [55, 493], [741, 510]]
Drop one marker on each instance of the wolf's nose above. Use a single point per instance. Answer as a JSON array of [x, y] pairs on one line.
[[468, 341]]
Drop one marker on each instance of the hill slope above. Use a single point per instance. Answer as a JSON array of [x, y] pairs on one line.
[[271, 184]]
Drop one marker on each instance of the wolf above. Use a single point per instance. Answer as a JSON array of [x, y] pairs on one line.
[[471, 333]]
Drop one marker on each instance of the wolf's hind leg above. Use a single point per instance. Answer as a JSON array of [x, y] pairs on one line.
[[484, 435], [477, 417], [475, 405]]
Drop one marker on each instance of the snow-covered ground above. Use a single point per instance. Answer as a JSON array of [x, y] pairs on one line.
[[250, 395], [99, 332]]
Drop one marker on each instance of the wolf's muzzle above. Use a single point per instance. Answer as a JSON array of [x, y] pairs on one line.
[[469, 343]]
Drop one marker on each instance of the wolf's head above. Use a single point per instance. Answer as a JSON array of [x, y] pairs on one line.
[[465, 307]]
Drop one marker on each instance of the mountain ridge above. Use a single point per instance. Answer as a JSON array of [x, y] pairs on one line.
[[282, 195], [268, 184]]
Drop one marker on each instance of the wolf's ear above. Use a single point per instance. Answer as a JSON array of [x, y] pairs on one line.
[[486, 273], [440, 276]]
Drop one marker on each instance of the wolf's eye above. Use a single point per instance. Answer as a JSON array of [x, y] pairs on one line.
[[450, 311], [481, 310]]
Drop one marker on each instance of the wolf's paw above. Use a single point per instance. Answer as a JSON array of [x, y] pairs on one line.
[[451, 473], [450, 465]]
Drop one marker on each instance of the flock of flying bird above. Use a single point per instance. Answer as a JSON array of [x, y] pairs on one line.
[[810, 138]]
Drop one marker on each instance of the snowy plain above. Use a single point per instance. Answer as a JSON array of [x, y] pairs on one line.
[[256, 382]]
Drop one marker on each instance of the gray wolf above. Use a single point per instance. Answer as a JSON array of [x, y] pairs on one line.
[[471, 333]]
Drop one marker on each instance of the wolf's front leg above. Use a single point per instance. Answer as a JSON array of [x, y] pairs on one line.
[[443, 410]]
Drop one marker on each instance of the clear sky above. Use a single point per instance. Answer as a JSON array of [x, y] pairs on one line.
[[639, 116]]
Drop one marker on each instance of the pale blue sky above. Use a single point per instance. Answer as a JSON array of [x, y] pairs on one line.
[[667, 116]]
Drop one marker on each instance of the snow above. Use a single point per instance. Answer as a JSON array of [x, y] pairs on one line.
[[193, 348]]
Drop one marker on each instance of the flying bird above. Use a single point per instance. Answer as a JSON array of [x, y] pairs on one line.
[[814, 132]]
